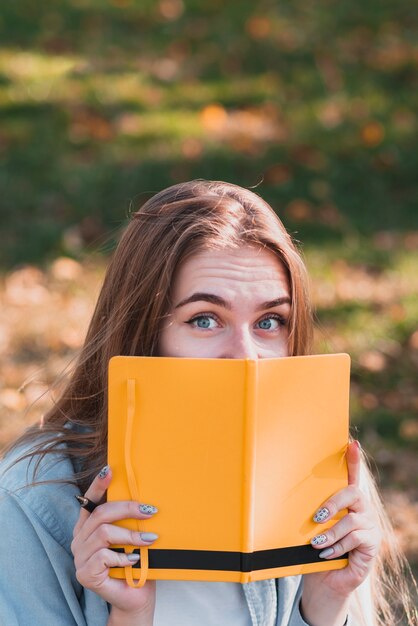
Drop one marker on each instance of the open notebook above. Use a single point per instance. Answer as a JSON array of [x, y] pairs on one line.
[[237, 454]]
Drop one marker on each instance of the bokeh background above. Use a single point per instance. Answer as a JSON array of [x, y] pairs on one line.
[[314, 103]]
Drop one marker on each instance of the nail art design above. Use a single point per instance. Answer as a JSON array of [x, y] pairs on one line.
[[104, 472], [321, 515], [148, 536], [319, 540], [326, 552], [148, 509]]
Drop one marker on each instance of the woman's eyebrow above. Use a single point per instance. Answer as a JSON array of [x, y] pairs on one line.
[[207, 297], [217, 300], [270, 304]]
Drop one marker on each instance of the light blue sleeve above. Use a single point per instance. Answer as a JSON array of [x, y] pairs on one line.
[[37, 578], [289, 591]]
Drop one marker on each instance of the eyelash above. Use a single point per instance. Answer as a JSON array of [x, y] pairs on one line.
[[274, 316], [282, 321], [197, 317]]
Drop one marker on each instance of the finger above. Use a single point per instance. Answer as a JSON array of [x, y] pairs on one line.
[[105, 536], [349, 523], [95, 570], [111, 512], [95, 493], [351, 498], [353, 457], [356, 540], [98, 487]]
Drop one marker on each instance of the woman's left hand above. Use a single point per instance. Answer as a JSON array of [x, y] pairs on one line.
[[357, 533]]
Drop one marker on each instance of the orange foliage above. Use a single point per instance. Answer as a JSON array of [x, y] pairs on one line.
[[372, 134], [213, 117], [258, 27]]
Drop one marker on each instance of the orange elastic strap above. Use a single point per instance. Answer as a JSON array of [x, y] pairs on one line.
[[133, 488]]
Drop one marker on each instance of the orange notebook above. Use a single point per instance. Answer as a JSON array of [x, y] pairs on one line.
[[236, 454]]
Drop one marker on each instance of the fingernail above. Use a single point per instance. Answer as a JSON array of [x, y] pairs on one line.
[[104, 472], [148, 536], [319, 540], [148, 509], [133, 557], [325, 553], [321, 515]]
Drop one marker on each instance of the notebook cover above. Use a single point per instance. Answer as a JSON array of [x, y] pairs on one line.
[[236, 454]]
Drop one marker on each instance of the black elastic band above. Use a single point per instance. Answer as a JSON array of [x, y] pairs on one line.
[[231, 561]]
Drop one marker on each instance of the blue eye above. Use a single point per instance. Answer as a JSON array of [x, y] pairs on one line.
[[266, 324], [203, 321], [272, 322]]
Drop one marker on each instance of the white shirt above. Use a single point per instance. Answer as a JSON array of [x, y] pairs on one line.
[[194, 603]]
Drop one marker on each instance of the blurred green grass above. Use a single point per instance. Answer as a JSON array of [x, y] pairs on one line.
[[102, 101]]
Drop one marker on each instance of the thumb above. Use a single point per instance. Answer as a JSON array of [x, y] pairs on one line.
[[353, 457]]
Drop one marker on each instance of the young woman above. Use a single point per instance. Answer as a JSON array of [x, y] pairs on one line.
[[204, 269]]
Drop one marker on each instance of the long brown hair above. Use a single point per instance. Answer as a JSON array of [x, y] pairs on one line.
[[136, 298]]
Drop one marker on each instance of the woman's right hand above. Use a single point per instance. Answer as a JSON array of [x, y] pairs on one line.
[[93, 534]]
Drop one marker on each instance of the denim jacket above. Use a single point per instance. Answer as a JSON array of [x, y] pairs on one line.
[[38, 585]]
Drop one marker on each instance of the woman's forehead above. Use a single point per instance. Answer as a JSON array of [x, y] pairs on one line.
[[240, 268]]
